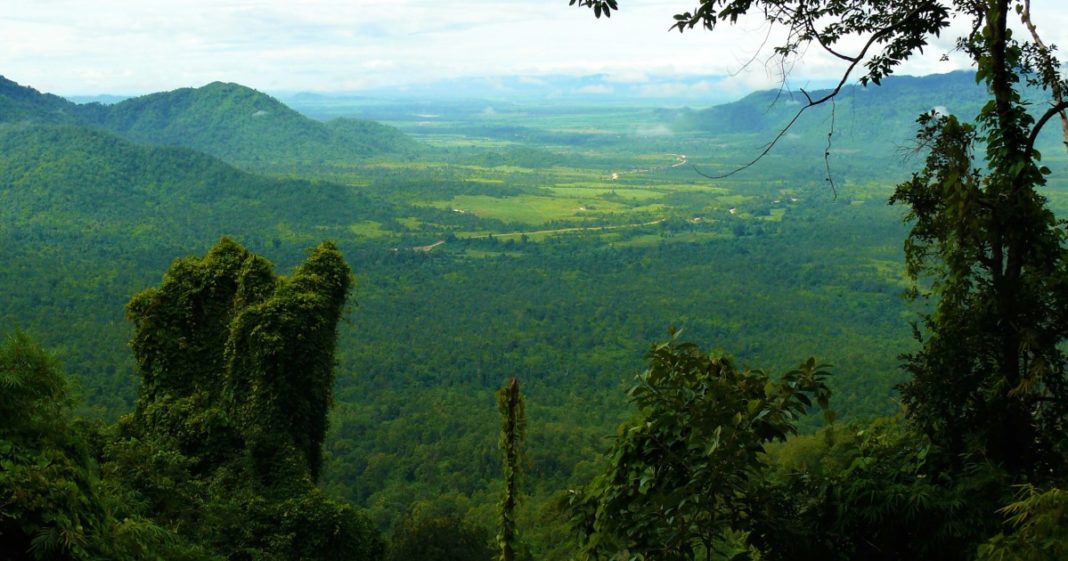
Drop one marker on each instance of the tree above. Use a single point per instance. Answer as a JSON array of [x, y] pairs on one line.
[[234, 357], [676, 483], [237, 368], [1040, 528], [49, 506], [990, 377], [873, 491], [511, 405], [53, 503]]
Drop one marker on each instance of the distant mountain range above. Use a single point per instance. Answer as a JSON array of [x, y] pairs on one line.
[[864, 122], [229, 121], [876, 115], [640, 89], [858, 110]]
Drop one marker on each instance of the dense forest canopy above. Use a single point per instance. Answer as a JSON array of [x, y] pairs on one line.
[[234, 413]]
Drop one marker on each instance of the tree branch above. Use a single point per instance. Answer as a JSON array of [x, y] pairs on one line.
[[819, 39], [827, 151], [814, 102], [1049, 68], [1055, 110]]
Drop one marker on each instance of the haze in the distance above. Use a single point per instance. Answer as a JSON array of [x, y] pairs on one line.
[[74, 47]]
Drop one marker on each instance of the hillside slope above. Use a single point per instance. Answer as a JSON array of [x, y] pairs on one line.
[[239, 124], [87, 218], [232, 122], [861, 112], [21, 103]]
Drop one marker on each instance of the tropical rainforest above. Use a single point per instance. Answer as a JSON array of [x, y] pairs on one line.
[[474, 330]]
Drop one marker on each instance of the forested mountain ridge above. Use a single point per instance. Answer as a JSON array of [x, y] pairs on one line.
[[875, 121], [94, 178], [860, 111], [239, 124], [22, 103], [232, 122]]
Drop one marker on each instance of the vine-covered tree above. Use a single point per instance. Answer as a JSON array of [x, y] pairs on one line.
[[512, 407], [237, 368], [252, 354]]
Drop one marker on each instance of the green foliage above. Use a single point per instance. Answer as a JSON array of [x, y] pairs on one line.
[[1039, 528], [991, 373], [53, 504], [226, 442], [423, 537], [677, 481], [872, 491], [48, 504], [232, 357], [33, 400]]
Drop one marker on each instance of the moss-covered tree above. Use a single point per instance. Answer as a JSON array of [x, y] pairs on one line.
[[237, 368]]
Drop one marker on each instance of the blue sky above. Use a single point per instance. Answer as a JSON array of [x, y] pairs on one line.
[[138, 46]]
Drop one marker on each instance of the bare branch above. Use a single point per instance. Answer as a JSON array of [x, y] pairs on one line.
[[756, 53], [875, 37], [1055, 85], [1057, 109], [827, 151], [819, 38]]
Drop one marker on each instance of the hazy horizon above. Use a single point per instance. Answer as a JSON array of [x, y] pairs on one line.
[[112, 47]]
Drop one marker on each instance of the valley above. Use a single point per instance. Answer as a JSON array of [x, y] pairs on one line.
[[551, 242]]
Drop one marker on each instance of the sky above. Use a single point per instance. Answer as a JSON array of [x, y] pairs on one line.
[[127, 47]]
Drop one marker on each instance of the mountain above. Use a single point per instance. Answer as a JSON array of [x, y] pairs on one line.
[[878, 117], [229, 121], [632, 89], [239, 124], [105, 99], [20, 103], [859, 110], [92, 178], [869, 123]]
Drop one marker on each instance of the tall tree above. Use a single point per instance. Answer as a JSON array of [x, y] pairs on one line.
[[237, 368], [511, 405], [234, 357]]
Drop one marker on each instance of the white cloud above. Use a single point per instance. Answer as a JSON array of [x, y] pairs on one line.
[[627, 77], [676, 89], [123, 46], [597, 89]]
